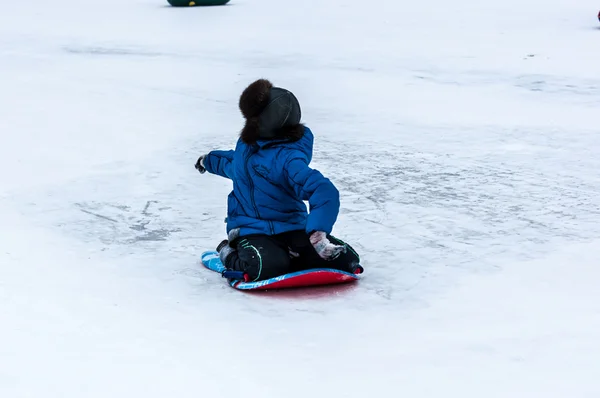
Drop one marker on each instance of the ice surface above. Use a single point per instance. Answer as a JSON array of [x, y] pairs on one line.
[[463, 138]]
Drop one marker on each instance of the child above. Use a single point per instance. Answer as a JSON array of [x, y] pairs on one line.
[[270, 232]]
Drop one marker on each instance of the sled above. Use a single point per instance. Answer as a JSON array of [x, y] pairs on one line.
[[306, 278], [196, 3]]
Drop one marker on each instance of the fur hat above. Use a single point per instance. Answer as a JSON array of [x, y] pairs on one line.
[[270, 113]]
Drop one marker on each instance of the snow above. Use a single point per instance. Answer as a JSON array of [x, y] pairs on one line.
[[461, 135]]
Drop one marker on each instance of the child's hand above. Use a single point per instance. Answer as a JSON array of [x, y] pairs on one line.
[[325, 249], [200, 164]]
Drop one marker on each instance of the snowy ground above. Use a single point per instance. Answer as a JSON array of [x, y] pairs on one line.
[[463, 137]]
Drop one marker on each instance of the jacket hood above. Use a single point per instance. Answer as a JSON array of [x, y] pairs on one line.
[[304, 144]]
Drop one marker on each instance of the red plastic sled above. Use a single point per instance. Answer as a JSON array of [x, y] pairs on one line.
[[310, 277]]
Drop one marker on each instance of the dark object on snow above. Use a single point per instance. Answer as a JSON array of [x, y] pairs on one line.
[[194, 3]]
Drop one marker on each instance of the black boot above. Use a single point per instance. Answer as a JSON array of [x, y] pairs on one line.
[[222, 245], [356, 268], [224, 250]]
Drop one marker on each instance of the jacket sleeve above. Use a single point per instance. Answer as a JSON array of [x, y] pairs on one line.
[[322, 196], [219, 163]]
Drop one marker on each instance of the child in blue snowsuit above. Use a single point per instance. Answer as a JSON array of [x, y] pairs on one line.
[[270, 232]]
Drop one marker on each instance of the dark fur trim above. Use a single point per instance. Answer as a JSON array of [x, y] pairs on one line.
[[250, 133], [255, 98], [292, 133]]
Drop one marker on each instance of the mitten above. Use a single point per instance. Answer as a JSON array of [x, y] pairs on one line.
[[200, 164], [323, 246]]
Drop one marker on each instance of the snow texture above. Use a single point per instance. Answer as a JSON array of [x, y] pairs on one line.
[[462, 135]]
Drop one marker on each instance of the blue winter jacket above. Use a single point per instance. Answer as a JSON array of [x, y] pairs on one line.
[[271, 181]]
